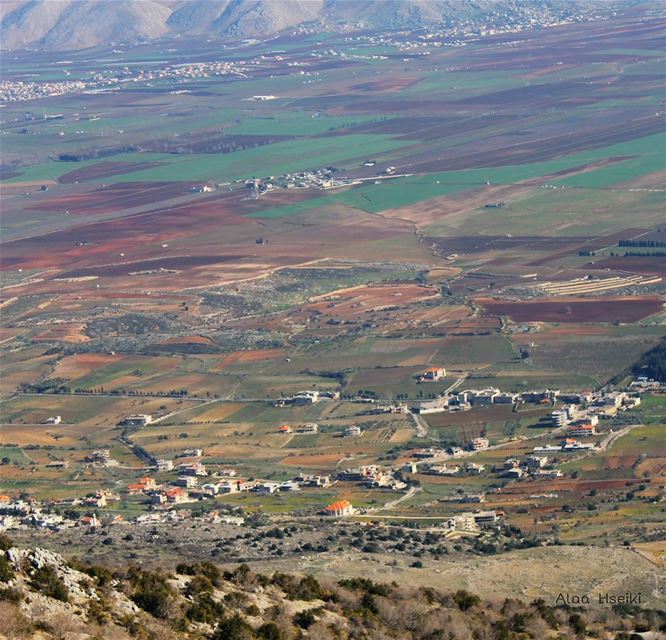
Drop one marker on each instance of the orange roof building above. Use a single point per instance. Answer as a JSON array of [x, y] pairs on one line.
[[340, 508], [285, 428], [434, 373]]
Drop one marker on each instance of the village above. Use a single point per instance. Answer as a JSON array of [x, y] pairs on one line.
[[172, 488]]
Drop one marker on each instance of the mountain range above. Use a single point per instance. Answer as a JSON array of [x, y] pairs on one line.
[[79, 24]]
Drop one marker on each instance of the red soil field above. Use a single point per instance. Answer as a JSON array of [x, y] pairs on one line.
[[63, 333], [81, 364], [633, 264], [606, 309], [556, 333], [188, 340], [115, 197], [348, 303], [250, 355]]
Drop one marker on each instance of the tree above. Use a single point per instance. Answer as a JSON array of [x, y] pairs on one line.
[[233, 628], [269, 631], [152, 592], [6, 571], [304, 619]]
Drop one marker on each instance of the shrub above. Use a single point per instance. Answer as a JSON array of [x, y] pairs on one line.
[[465, 600], [5, 542], [304, 619], [233, 628], [269, 631], [151, 592], [577, 624], [363, 584], [6, 571], [204, 609], [198, 584], [10, 595]]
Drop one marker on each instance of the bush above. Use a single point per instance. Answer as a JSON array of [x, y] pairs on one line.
[[368, 586], [304, 619], [307, 588], [198, 584], [204, 609], [577, 624], [269, 631], [233, 628], [5, 542], [6, 571], [10, 595], [151, 592], [465, 600]]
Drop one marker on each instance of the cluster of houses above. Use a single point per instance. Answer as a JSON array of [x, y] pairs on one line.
[[372, 476], [474, 522], [433, 453], [566, 445], [313, 427], [102, 457], [643, 384], [315, 179], [582, 415], [466, 399], [307, 397], [19, 91], [604, 404], [31, 513], [195, 482], [308, 427], [444, 469], [534, 465]]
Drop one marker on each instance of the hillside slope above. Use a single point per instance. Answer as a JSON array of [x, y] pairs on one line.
[[78, 24], [44, 596]]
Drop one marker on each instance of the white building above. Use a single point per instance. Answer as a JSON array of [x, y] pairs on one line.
[[138, 420], [164, 465], [353, 430]]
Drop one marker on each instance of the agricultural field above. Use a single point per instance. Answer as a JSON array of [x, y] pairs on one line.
[[241, 257]]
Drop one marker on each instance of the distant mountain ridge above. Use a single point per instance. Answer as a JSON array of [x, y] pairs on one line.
[[79, 24]]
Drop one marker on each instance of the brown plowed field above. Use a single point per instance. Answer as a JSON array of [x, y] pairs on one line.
[[82, 364], [104, 170], [389, 84], [428, 128], [538, 150], [63, 333], [176, 263], [479, 244], [634, 264], [606, 309], [115, 197], [189, 340]]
